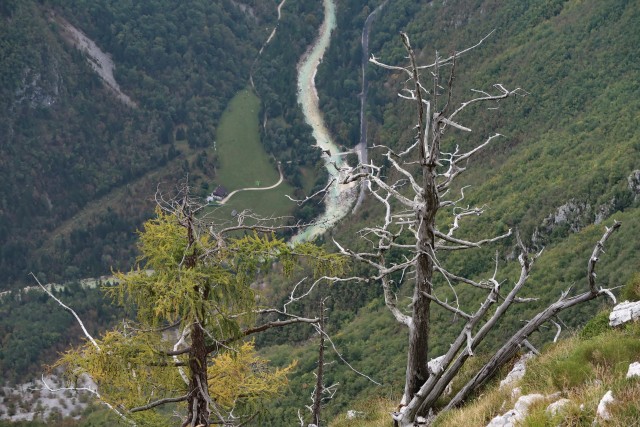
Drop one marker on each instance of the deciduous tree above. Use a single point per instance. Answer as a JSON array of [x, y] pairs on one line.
[[194, 307]]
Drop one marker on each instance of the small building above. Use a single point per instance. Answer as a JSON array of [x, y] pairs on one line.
[[218, 194]]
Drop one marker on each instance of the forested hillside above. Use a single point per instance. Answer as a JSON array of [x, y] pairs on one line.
[[79, 166], [566, 167]]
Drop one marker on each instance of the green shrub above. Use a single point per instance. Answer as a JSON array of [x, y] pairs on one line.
[[570, 372], [612, 351], [631, 290], [596, 326]]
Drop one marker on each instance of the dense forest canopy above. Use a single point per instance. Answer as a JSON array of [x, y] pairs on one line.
[[79, 166]]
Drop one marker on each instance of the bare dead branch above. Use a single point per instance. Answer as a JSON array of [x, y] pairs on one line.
[[447, 306], [390, 301], [277, 324], [468, 244], [511, 346], [418, 93], [328, 338], [555, 339], [95, 393], [457, 54], [461, 279], [597, 250], [322, 191], [70, 310], [159, 402]]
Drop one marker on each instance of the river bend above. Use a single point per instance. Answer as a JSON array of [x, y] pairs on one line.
[[340, 198]]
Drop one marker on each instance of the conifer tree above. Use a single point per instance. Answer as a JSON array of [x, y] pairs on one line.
[[194, 307]]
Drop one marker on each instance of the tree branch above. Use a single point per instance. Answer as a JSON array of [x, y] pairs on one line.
[[447, 306], [511, 346], [84, 330], [159, 402], [95, 393]]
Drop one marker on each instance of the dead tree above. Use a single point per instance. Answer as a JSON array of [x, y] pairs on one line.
[[412, 202], [317, 392]]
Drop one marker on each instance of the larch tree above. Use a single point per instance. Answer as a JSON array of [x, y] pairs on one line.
[[194, 309], [422, 221]]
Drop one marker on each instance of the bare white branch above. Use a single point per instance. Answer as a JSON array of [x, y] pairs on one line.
[[176, 347], [92, 391], [322, 191], [328, 338], [457, 54], [468, 244], [84, 329], [447, 306]]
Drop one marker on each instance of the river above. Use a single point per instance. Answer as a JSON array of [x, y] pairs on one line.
[[339, 198]]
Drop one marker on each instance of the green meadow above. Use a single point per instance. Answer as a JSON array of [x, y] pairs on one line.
[[244, 162]]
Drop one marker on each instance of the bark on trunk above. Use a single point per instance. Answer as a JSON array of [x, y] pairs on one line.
[[417, 371], [418, 355], [317, 397], [198, 401]]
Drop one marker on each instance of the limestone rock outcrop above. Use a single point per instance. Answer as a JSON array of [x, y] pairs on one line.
[[624, 312]]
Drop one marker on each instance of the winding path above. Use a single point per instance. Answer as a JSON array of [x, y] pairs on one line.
[[273, 33], [226, 199]]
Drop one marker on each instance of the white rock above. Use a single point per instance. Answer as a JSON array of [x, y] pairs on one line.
[[506, 420], [634, 370], [523, 403], [351, 414], [624, 312], [602, 411], [557, 406], [518, 413], [518, 370]]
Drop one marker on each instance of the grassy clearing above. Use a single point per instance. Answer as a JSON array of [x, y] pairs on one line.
[[243, 161], [267, 203]]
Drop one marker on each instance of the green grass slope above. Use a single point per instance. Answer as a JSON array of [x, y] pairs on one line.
[[581, 369], [243, 162]]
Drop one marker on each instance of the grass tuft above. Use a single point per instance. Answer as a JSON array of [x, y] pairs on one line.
[[372, 413]]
